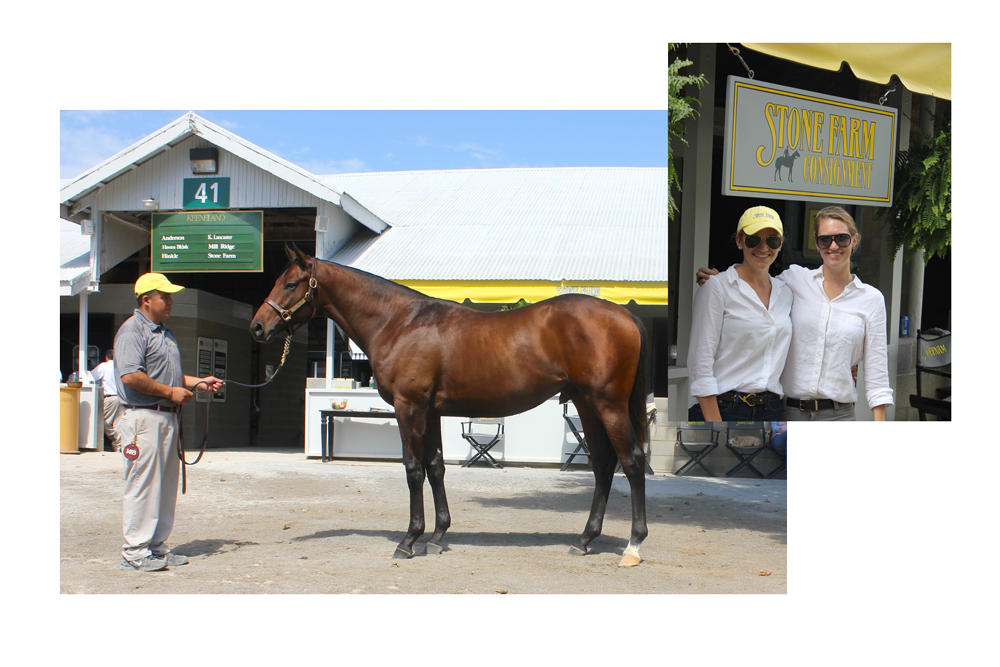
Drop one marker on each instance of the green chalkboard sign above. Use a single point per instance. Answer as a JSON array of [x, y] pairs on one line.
[[210, 241], [206, 193]]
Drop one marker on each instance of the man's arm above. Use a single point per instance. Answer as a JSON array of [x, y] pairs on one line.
[[143, 383], [212, 383]]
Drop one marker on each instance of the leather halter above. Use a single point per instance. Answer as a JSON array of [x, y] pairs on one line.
[[286, 315]]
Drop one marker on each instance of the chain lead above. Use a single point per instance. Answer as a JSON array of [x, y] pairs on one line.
[[736, 52]]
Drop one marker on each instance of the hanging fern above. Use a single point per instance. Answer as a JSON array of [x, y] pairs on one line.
[[920, 215], [679, 108]]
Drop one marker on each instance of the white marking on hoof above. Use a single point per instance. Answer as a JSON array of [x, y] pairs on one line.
[[631, 557]]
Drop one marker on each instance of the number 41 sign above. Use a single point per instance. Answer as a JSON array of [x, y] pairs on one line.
[[206, 193]]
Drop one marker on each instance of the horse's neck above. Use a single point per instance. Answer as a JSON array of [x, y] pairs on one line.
[[360, 304]]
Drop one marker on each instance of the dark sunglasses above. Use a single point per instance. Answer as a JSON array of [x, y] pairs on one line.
[[773, 242], [843, 241]]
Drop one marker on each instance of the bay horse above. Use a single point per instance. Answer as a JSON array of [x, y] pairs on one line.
[[433, 358]]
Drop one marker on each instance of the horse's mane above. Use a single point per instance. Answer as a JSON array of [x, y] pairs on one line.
[[382, 286]]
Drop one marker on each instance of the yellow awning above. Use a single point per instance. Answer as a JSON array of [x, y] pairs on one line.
[[511, 291], [922, 68]]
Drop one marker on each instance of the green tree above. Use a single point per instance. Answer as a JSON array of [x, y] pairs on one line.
[[920, 215], [679, 108]]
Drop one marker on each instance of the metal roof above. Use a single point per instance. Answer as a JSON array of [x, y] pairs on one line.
[[74, 259], [580, 223], [73, 193]]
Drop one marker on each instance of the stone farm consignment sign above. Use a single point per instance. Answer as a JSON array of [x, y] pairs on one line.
[[785, 143], [225, 241]]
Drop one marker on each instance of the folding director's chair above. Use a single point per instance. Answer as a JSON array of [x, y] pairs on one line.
[[743, 437], [576, 428], [482, 441], [933, 358], [697, 439]]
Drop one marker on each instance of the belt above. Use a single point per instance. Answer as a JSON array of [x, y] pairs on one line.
[[813, 404], [158, 408], [753, 399]]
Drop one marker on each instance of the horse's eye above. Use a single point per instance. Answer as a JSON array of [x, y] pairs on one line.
[[290, 286]]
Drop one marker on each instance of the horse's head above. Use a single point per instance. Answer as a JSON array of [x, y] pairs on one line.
[[291, 302]]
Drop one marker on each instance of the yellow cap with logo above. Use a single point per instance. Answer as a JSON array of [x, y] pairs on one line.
[[155, 281], [758, 218]]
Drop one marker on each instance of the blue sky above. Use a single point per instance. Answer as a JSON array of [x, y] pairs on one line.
[[327, 142]]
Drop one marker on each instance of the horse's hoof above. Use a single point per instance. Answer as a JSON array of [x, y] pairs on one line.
[[631, 556], [399, 553], [577, 551], [433, 549], [630, 560]]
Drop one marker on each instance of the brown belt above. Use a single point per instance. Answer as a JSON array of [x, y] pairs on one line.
[[158, 408], [811, 404], [749, 399]]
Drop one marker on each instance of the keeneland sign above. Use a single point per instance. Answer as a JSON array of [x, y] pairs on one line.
[[785, 143]]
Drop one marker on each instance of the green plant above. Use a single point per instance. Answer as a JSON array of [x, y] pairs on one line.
[[512, 306], [920, 215], [679, 108]]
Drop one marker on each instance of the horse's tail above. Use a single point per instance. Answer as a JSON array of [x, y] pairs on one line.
[[637, 399]]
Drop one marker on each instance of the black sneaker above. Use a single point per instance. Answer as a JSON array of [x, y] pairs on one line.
[[147, 564]]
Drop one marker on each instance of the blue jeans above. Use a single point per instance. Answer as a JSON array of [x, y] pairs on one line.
[[738, 411]]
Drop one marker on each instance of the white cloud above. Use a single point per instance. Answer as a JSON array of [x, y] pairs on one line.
[[84, 146], [322, 167], [476, 149], [230, 124]]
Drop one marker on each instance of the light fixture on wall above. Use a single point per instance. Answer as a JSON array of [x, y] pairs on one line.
[[205, 160], [151, 204]]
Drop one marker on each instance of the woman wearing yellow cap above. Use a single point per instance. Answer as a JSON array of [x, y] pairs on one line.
[[741, 331], [838, 321]]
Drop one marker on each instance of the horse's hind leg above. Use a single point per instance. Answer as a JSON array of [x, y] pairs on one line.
[[434, 463], [626, 444], [412, 426], [602, 461]]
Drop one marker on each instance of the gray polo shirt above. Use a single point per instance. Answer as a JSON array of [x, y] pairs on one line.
[[141, 345]]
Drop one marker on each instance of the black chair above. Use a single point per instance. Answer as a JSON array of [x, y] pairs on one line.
[[933, 358], [781, 458], [743, 437], [582, 450], [697, 439], [482, 441], [647, 454], [576, 428]]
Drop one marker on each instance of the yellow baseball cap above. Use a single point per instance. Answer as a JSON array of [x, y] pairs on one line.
[[758, 218], [155, 281]]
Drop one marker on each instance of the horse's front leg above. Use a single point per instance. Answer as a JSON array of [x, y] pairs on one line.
[[434, 463], [412, 428]]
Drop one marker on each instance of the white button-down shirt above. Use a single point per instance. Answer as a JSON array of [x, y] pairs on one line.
[[736, 343], [833, 335]]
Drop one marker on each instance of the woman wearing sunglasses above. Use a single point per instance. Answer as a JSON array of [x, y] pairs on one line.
[[837, 322], [741, 331]]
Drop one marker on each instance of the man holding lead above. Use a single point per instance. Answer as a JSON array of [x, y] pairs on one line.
[[152, 388]]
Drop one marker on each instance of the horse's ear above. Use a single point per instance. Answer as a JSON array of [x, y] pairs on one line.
[[297, 256]]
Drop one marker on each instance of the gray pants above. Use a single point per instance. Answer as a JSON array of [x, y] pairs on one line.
[[150, 480], [112, 411], [841, 412]]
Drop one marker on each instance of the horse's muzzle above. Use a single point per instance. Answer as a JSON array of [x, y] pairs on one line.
[[258, 333]]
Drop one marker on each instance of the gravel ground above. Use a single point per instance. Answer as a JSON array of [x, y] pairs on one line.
[[273, 521]]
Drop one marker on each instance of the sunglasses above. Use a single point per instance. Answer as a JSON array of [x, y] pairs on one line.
[[773, 242], [843, 240]]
